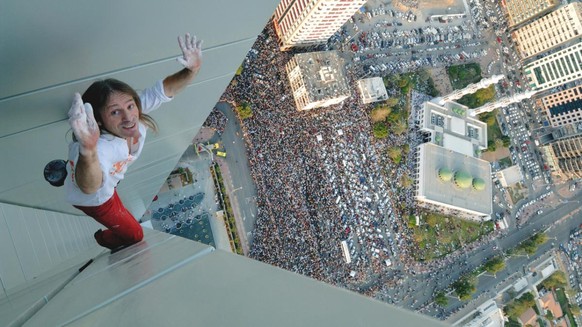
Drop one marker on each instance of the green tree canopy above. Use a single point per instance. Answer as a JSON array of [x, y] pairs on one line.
[[391, 102], [380, 130], [506, 141], [405, 180], [400, 126], [245, 111], [518, 306], [394, 153], [494, 265], [575, 309], [441, 299], [431, 220], [379, 113], [555, 280], [465, 287]]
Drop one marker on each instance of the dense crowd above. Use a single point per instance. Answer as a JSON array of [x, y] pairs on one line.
[[321, 180], [317, 176], [216, 120]]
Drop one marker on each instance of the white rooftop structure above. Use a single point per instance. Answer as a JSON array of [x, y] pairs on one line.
[[509, 176], [372, 89], [487, 314], [317, 79], [450, 126], [453, 180]]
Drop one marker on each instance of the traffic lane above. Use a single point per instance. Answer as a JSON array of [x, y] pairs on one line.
[[237, 161]]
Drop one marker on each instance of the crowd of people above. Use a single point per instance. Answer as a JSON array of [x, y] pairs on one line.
[[321, 180], [216, 120]]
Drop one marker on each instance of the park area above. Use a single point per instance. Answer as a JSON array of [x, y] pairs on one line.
[[438, 235]]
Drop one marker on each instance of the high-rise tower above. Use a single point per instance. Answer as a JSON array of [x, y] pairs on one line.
[[549, 31], [520, 11], [555, 69], [308, 22]]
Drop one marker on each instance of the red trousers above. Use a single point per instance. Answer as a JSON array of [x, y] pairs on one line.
[[122, 228]]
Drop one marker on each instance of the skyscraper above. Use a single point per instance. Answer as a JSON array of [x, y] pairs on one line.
[[520, 11], [555, 69], [549, 31], [566, 151], [308, 22], [563, 107]]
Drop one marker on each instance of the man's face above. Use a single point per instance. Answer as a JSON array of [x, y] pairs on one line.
[[121, 116]]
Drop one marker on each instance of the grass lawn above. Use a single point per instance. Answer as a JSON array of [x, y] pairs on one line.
[[563, 300], [494, 132], [439, 235], [463, 75]]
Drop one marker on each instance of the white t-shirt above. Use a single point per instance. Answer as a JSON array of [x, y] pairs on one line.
[[114, 155]]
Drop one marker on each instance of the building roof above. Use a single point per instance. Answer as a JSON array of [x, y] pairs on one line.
[[529, 317], [486, 315], [509, 176], [453, 128], [548, 302], [372, 89], [323, 74], [469, 188]]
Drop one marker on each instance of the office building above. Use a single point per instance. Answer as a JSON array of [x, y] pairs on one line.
[[453, 181], [520, 11], [564, 154], [449, 174], [309, 22], [451, 127], [549, 31], [317, 79], [555, 69], [564, 107]]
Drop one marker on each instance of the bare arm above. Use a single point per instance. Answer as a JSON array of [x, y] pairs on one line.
[[175, 83], [88, 175], [191, 59]]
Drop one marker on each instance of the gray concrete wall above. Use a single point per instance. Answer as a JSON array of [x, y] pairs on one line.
[[50, 50]]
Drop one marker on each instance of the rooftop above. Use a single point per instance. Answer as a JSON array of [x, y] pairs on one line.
[[372, 89], [468, 187], [453, 128]]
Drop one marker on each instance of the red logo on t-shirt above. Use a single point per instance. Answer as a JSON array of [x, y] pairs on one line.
[[119, 166]]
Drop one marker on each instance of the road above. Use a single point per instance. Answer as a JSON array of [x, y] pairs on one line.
[[557, 223], [242, 190]]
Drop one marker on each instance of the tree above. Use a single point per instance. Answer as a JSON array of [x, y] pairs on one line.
[[575, 309], [555, 280], [518, 306], [380, 113], [494, 265], [405, 180], [244, 111], [539, 238], [380, 130], [491, 146], [431, 220], [391, 102], [441, 299], [506, 141], [465, 286], [400, 126], [394, 153]]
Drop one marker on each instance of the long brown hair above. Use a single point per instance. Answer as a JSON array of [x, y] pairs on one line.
[[98, 95]]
